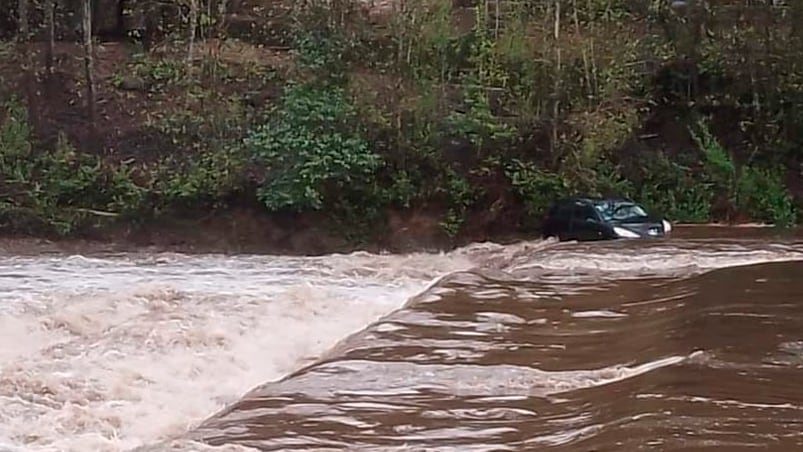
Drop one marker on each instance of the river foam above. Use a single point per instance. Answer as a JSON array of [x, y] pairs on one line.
[[104, 354], [112, 352]]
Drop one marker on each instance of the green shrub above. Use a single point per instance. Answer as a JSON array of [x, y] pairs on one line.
[[757, 192], [477, 123], [675, 191], [461, 195], [762, 193], [57, 190], [205, 179], [311, 149], [719, 169], [535, 187]]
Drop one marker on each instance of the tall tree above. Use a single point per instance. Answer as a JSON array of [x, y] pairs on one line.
[[23, 28], [89, 59], [557, 86], [50, 23], [27, 66], [222, 10], [193, 29]]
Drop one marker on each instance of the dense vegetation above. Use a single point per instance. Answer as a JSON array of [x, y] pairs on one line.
[[474, 111]]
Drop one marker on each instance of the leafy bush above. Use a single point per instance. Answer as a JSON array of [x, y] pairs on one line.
[[478, 123], [321, 50], [608, 180], [718, 165], [758, 192], [56, 190], [461, 196], [204, 179], [675, 191], [536, 187], [15, 130], [310, 149], [762, 193]]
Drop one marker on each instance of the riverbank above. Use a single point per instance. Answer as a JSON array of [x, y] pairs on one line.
[[224, 238], [250, 232]]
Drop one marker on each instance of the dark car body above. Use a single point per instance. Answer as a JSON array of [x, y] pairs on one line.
[[590, 218]]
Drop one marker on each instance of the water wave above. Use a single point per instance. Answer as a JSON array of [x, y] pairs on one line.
[[127, 350], [475, 364]]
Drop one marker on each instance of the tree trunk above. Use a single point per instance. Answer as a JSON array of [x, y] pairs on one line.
[[220, 35], [557, 87], [193, 30], [89, 60], [50, 23], [27, 67], [223, 8], [796, 14], [583, 52], [496, 20], [22, 25]]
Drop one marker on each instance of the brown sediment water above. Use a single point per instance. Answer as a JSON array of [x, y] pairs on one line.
[[689, 343]]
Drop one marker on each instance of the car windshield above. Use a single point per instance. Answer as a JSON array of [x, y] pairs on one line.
[[613, 210]]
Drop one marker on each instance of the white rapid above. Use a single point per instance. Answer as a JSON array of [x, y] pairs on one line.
[[109, 352], [105, 353]]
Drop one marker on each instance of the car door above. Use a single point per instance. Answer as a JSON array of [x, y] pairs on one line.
[[586, 223], [561, 221]]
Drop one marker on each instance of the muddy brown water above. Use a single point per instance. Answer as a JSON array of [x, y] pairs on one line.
[[689, 343], [598, 354]]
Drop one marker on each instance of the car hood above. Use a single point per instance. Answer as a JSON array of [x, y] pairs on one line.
[[637, 221], [641, 225]]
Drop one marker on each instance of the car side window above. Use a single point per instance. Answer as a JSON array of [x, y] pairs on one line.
[[564, 212], [585, 213]]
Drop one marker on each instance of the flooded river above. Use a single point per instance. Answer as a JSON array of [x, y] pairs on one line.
[[684, 343]]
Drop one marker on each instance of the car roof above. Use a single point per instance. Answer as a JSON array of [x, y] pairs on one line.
[[592, 199]]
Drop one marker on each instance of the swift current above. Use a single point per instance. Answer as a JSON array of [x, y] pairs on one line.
[[685, 343]]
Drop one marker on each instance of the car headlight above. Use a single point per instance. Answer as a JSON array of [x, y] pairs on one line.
[[667, 226], [625, 233]]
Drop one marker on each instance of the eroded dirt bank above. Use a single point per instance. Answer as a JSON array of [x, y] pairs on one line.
[[248, 232]]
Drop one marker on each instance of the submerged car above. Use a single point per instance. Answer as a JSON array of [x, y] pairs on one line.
[[588, 218]]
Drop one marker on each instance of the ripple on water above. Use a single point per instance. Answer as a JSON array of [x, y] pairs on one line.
[[495, 348], [636, 364]]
